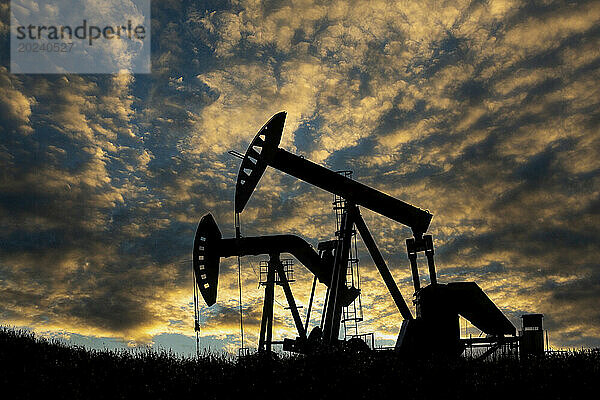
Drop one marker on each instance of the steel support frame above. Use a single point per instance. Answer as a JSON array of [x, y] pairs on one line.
[[290, 298], [333, 306], [266, 326]]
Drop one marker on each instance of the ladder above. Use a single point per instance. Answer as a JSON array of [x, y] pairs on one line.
[[353, 314]]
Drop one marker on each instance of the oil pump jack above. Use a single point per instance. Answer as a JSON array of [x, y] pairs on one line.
[[435, 328], [210, 247]]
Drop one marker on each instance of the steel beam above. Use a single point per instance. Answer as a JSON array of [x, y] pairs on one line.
[[264, 151], [310, 303], [382, 267], [266, 324], [290, 298], [418, 220]]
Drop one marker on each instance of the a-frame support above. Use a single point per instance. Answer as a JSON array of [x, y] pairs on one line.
[[382, 267], [333, 306], [266, 325], [290, 299]]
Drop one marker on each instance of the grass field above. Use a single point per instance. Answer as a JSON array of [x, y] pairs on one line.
[[38, 368]]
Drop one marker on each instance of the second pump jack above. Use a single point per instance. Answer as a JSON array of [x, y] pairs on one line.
[[438, 306], [210, 247]]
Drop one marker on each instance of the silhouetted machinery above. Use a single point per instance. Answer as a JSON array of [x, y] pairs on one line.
[[532, 335], [435, 328]]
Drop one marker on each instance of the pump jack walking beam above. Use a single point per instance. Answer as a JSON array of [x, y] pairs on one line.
[[264, 151]]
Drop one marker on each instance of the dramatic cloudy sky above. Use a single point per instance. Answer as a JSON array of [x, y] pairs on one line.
[[484, 112]]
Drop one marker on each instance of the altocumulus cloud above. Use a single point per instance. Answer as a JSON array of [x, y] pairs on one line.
[[485, 113]]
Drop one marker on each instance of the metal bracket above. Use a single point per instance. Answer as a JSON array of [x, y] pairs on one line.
[[414, 246]]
